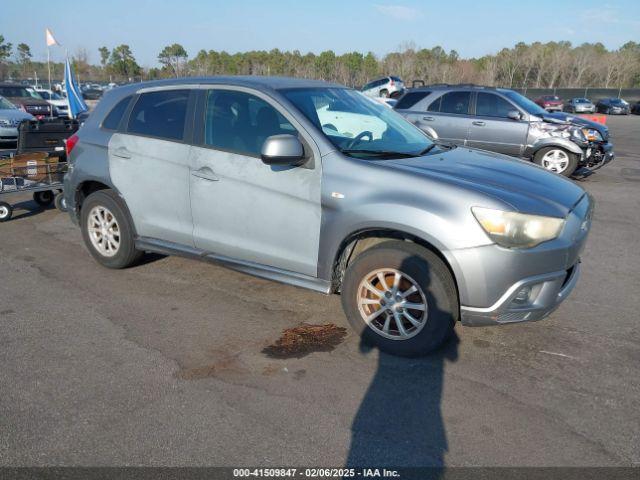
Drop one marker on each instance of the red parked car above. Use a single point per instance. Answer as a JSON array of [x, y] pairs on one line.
[[550, 103]]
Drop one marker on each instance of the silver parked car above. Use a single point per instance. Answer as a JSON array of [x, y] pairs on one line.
[[503, 121], [10, 118], [242, 171], [579, 105], [384, 87]]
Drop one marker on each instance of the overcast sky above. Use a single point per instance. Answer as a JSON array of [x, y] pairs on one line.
[[473, 28]]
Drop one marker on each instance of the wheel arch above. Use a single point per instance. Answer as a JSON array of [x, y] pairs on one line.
[[361, 240], [87, 187]]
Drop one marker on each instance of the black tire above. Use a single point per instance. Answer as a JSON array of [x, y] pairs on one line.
[[6, 212], [384, 93], [44, 198], [126, 254], [60, 202], [435, 281], [571, 166]]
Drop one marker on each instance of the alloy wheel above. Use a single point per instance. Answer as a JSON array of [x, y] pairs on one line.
[[104, 231], [555, 160], [392, 304]]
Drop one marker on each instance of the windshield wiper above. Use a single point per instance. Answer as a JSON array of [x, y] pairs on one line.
[[378, 153], [427, 150]]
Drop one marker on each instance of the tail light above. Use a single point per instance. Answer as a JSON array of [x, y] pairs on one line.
[[70, 143], [392, 83]]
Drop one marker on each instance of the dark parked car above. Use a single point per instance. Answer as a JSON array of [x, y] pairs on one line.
[[635, 108], [551, 103], [504, 121], [613, 106], [579, 105], [26, 99], [92, 94]]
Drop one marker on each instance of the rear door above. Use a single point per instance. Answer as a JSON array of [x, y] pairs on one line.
[[449, 116], [492, 129], [149, 165]]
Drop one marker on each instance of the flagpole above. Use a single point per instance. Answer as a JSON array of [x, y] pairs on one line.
[[49, 66]]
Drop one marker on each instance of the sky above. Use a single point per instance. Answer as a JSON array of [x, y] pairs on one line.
[[472, 28]]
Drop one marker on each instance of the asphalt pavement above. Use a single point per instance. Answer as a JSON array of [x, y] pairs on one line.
[[163, 363]]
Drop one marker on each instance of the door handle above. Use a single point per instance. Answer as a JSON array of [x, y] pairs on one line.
[[428, 119], [479, 123], [206, 174], [121, 152]]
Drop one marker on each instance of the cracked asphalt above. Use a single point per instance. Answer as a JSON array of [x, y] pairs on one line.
[[162, 364]]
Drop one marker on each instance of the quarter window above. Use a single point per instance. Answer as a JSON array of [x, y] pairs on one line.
[[112, 120], [240, 122], [160, 114], [490, 105]]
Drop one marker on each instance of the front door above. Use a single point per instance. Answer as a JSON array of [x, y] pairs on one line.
[[241, 207], [149, 166], [491, 128]]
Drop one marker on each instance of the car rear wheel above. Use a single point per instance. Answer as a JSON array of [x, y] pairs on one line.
[[557, 160], [384, 93], [401, 298], [107, 231]]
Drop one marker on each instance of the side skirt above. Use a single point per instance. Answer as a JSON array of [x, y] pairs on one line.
[[251, 268]]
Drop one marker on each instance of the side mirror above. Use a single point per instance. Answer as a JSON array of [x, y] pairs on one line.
[[514, 115], [282, 150]]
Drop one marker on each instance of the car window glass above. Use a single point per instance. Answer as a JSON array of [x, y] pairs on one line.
[[490, 105], [112, 120], [241, 122], [410, 99], [455, 102], [435, 106], [160, 114]]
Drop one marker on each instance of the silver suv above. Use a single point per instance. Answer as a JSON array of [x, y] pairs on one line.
[[315, 185], [503, 121]]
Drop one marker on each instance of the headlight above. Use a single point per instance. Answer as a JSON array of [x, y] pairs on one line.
[[592, 135], [517, 230]]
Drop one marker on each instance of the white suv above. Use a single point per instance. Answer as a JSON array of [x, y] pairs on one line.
[[383, 87]]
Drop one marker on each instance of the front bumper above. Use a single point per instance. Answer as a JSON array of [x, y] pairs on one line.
[[549, 290], [499, 285]]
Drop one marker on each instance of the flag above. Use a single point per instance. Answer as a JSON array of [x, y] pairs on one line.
[[51, 41], [74, 96]]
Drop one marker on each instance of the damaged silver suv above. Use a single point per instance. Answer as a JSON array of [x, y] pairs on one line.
[[316, 185], [503, 121]]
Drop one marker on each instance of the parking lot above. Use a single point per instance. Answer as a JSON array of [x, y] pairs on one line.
[[163, 364]]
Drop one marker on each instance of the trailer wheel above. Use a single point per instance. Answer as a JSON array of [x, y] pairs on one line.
[[60, 202], [44, 198], [6, 211]]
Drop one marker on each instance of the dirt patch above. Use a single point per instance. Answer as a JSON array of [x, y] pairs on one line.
[[304, 339], [226, 365]]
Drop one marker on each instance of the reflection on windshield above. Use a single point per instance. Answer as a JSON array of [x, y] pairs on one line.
[[524, 103], [358, 126]]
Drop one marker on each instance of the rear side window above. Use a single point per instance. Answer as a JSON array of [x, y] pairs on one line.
[[112, 120], [410, 99], [455, 102], [490, 105], [160, 114]]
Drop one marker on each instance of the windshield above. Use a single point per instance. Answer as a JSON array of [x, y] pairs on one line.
[[358, 126], [524, 103], [582, 100], [616, 101], [6, 104]]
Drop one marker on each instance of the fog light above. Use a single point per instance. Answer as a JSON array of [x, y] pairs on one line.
[[523, 295]]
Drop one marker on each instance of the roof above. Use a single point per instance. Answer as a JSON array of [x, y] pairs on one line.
[[250, 81], [470, 86]]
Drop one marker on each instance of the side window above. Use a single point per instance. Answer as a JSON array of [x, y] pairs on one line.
[[112, 120], [410, 99], [490, 105], [160, 114], [435, 106], [240, 122], [455, 102], [367, 86]]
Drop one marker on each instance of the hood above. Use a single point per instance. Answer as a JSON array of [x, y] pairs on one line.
[[15, 115], [562, 117], [524, 186], [27, 101]]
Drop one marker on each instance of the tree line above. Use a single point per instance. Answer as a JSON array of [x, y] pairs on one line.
[[535, 65]]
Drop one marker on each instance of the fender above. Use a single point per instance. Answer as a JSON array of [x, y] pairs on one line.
[[531, 150]]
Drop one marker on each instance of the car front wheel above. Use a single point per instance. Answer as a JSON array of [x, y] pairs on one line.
[[401, 298], [107, 231], [557, 160]]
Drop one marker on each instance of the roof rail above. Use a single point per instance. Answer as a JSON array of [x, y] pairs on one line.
[[461, 85]]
